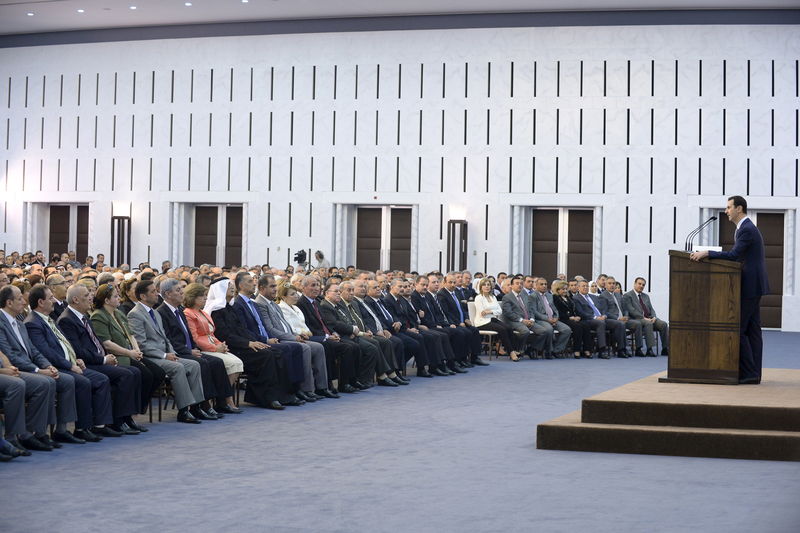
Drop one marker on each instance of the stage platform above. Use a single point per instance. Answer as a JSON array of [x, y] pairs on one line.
[[648, 417]]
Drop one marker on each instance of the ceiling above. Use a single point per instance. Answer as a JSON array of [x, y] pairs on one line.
[[38, 16]]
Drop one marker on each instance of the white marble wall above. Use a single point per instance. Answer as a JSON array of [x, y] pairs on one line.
[[440, 76]]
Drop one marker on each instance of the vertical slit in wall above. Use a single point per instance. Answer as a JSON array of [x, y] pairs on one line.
[[172, 87], [558, 78], [250, 129], [191, 86], [291, 128], [269, 218], [291, 92], [333, 173], [652, 126], [699, 176], [171, 121], [604, 175], [211, 86], [251, 84], [61, 90], [189, 176], [397, 174], [191, 129], [377, 82], [488, 125], [375, 174], [355, 126], [748, 127], [510, 126], [270, 127], [312, 127], [419, 174], [398, 128], [444, 78], [487, 173], [556, 174], [627, 216], [629, 77], [442, 127], [605, 78], [651, 175], [628, 127], [420, 127], [558, 122], [511, 81], [333, 129], [230, 97], [152, 128], [699, 127], [441, 224], [150, 176], [399, 81], [580, 127], [773, 78], [354, 173], [580, 90], [772, 127], [311, 175], [486, 223], [699, 77], [580, 174], [269, 175], [534, 79], [533, 174], [113, 132], [466, 80], [724, 127], [210, 127], [421, 78], [510, 173], [289, 220], [377, 124], [772, 177], [291, 172], [675, 175], [272, 84], [489, 80], [651, 228], [465, 127], [169, 174], [627, 175], [652, 77], [605, 113], [676, 77], [310, 217], [355, 85], [152, 86], [674, 224], [723, 175], [463, 174], [534, 127], [229, 174], [748, 78], [676, 126]]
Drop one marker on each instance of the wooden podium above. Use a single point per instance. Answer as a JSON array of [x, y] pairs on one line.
[[703, 320]]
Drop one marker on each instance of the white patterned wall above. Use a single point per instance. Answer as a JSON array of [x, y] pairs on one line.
[[651, 123]]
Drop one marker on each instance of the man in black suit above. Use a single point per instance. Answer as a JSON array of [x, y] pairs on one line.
[[212, 369], [347, 354], [455, 314], [373, 324], [245, 308], [370, 359], [425, 298], [438, 343], [92, 389], [126, 381], [748, 248], [593, 310]]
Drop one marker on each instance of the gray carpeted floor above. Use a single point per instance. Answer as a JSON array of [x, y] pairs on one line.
[[441, 455]]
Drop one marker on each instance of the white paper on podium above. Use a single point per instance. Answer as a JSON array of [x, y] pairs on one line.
[[708, 248]]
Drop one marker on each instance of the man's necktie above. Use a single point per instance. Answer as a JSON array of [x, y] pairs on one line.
[[319, 317], [187, 338], [546, 306], [619, 309], [595, 310], [100, 351], [524, 308], [458, 306], [15, 323], [67, 347], [386, 314], [261, 329], [153, 317], [645, 312], [356, 319]]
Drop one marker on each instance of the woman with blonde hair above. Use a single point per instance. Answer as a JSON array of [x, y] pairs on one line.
[[201, 327], [581, 332], [487, 317]]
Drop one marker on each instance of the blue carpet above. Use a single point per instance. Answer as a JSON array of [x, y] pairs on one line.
[[441, 455]]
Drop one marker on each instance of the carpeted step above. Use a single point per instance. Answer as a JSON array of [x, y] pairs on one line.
[[569, 433], [773, 405]]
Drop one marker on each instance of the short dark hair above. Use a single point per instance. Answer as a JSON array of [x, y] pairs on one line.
[[739, 201], [265, 280], [36, 295], [146, 276], [639, 278], [142, 287], [103, 293], [6, 294], [239, 277]]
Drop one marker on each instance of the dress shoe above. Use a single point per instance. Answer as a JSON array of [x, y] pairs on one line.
[[604, 355], [17, 445], [10, 450], [665, 351], [230, 410], [67, 437], [326, 393], [32, 443], [465, 364], [477, 361], [47, 441], [294, 402], [185, 416], [125, 429], [106, 431], [749, 381], [86, 435], [305, 397], [5, 458], [276, 406], [422, 373], [349, 389], [213, 412], [622, 354], [361, 386], [400, 381], [457, 369], [444, 368], [387, 382], [649, 353], [200, 414], [133, 425], [639, 352], [439, 372]]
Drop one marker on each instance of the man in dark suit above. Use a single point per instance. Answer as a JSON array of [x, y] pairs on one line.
[[347, 354], [426, 299], [92, 389], [588, 306], [617, 311], [451, 305], [637, 303], [373, 324], [441, 351], [245, 308], [212, 369], [748, 248], [16, 344], [126, 381]]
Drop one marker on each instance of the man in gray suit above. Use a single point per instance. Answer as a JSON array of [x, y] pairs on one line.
[[638, 305], [546, 316], [184, 374], [22, 421], [33, 366], [617, 311], [518, 315], [314, 367]]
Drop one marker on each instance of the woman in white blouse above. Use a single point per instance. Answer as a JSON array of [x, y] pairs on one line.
[[487, 317], [287, 300]]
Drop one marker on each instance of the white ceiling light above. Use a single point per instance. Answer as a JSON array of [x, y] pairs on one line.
[[132, 7], [80, 11], [187, 4], [30, 14]]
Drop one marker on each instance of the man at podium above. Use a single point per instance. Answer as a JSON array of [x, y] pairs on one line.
[[748, 249]]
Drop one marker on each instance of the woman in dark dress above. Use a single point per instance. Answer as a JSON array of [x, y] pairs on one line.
[[581, 332]]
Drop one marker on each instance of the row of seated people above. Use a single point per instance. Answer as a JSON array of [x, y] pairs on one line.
[[565, 317], [77, 358]]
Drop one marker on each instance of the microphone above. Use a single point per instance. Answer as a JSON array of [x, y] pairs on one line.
[[690, 238]]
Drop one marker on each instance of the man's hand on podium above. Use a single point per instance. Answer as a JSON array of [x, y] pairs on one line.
[[698, 256]]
